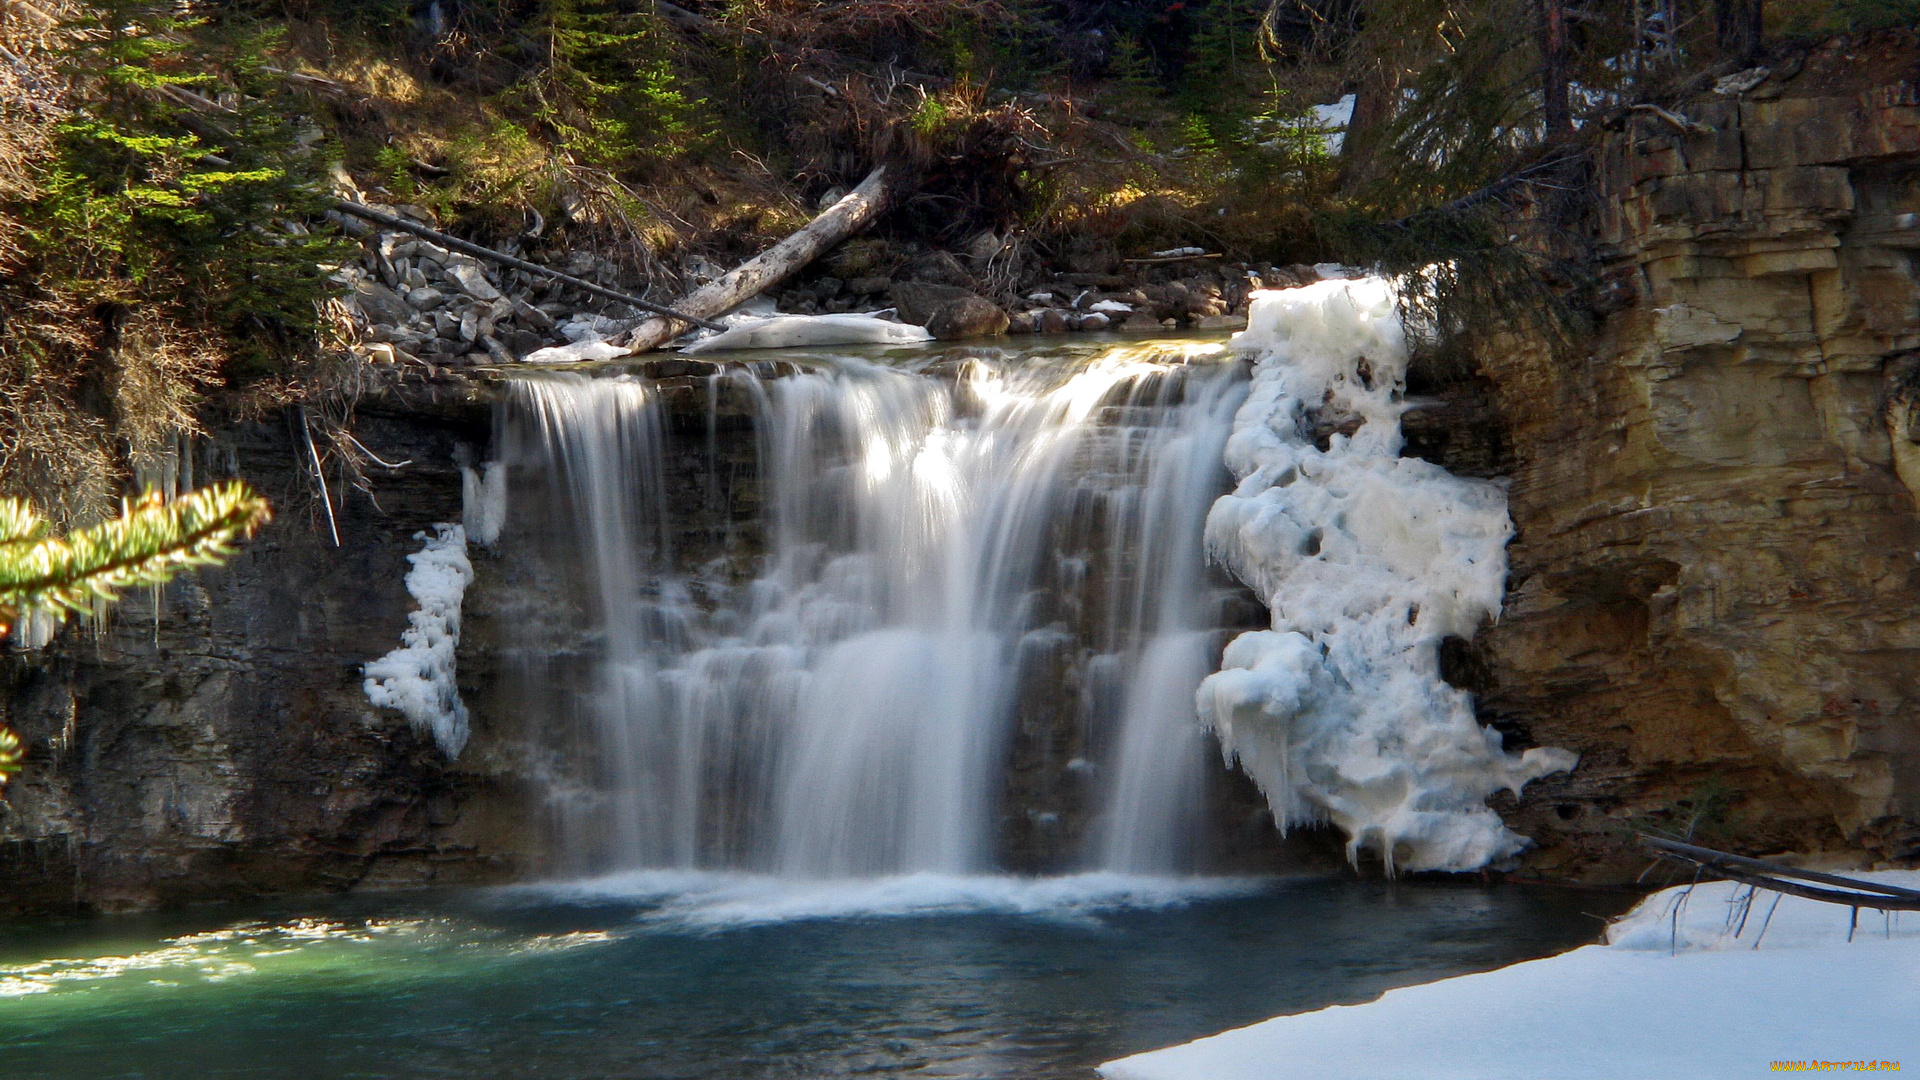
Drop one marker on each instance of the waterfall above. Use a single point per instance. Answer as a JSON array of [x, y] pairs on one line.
[[844, 706]]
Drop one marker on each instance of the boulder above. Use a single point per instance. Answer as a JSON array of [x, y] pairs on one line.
[[939, 268], [916, 301], [984, 246], [1052, 321], [379, 303], [473, 281], [868, 286], [968, 317], [521, 342], [862, 258]]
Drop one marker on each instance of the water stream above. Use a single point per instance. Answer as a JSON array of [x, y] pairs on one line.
[[701, 977], [803, 661], [935, 539]]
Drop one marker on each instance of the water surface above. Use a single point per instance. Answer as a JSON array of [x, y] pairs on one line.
[[712, 976]]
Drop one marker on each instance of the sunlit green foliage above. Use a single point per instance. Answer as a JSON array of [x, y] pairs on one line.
[[149, 542], [606, 87], [182, 181], [11, 755]]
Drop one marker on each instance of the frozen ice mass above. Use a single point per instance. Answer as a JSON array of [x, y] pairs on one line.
[[418, 677], [1367, 560]]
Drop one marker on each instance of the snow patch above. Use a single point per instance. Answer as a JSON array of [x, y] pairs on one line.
[[579, 352], [791, 331], [418, 677], [1366, 560]]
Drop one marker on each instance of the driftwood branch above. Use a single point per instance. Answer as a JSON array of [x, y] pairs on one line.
[[770, 267], [1785, 879], [1691, 127], [456, 244], [1159, 259]]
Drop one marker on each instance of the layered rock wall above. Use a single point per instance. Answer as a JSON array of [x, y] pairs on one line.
[[1716, 582]]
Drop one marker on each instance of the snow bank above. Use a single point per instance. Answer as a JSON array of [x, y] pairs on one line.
[[1717, 1008], [418, 677], [1366, 560], [792, 331]]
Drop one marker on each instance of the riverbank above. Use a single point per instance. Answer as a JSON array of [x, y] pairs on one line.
[[1702, 982]]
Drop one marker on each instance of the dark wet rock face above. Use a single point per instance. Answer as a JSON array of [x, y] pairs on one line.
[[219, 745]]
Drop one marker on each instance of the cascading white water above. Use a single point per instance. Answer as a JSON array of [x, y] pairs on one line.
[[847, 711], [1166, 478]]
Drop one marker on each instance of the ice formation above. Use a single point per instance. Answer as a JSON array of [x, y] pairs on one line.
[[483, 501], [418, 677], [1366, 560], [790, 331]]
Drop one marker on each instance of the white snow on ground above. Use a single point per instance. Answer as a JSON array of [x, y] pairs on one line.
[[418, 677], [1717, 1007], [793, 331], [1366, 560]]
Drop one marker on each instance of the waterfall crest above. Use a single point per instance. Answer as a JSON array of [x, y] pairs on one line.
[[935, 542]]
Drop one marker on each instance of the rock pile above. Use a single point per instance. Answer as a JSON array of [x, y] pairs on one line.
[[419, 301]]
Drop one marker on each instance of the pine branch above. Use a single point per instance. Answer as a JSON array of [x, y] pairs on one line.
[[151, 541], [11, 753]]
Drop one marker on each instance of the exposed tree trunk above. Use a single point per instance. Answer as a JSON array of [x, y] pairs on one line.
[[772, 266], [1554, 76], [1374, 97], [1737, 27]]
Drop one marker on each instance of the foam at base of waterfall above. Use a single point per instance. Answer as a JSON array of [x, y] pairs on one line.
[[697, 899], [793, 331], [418, 677], [1366, 561]]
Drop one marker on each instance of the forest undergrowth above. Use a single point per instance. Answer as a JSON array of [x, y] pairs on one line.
[[166, 263]]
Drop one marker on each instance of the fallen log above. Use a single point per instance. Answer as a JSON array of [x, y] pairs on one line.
[[1784, 879], [454, 243], [769, 268]]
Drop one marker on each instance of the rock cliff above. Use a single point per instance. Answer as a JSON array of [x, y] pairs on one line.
[[1716, 579], [211, 740]]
